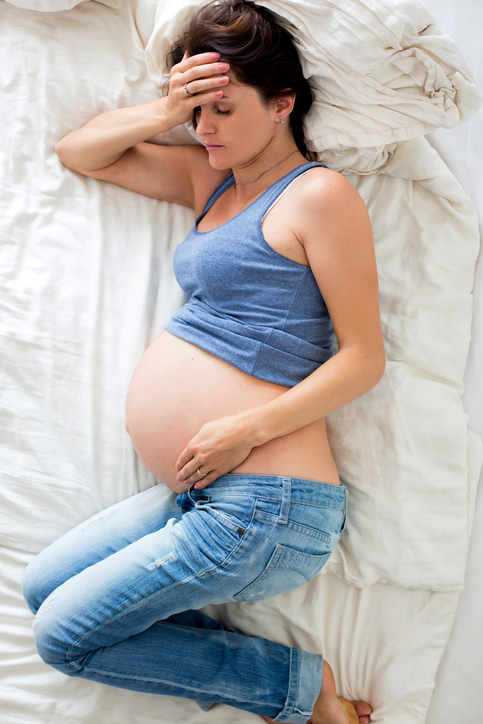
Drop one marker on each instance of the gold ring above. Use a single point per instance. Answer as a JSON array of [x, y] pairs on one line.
[[203, 475]]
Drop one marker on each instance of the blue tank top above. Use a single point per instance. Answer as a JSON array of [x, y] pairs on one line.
[[249, 305]]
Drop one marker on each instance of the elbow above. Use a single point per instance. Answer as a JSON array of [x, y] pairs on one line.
[[62, 153], [65, 156], [371, 365], [378, 366]]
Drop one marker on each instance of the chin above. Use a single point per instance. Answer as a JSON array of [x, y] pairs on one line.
[[219, 164]]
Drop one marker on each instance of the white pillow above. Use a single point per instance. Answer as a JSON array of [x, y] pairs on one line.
[[144, 10], [382, 72], [55, 6]]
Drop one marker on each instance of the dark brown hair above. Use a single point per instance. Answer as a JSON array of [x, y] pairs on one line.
[[261, 54]]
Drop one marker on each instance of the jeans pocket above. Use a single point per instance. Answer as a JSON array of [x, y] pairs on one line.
[[287, 568]]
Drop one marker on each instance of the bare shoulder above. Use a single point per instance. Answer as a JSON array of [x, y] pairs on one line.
[[331, 209], [323, 187]]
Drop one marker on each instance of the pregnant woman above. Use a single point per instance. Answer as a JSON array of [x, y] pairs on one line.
[[227, 406]]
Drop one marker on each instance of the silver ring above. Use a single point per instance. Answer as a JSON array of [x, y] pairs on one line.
[[203, 475], [188, 94]]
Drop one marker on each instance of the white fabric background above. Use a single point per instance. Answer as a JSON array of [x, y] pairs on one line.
[[457, 696]]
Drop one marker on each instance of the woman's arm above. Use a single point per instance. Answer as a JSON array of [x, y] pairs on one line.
[[335, 231], [111, 147], [336, 235]]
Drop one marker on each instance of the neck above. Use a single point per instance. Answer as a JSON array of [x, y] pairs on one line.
[[262, 171]]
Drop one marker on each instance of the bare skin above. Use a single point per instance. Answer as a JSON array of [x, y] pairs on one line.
[[332, 709]]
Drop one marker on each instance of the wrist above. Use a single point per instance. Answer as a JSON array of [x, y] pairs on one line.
[[255, 429], [168, 116], [163, 118]]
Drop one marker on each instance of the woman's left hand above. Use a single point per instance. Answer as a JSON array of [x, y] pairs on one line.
[[217, 449]]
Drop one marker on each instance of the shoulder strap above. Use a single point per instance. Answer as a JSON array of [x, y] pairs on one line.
[[270, 196], [229, 181]]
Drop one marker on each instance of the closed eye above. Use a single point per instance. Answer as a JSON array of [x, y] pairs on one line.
[[222, 113]]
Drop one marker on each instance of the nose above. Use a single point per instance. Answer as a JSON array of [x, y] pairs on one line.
[[204, 124]]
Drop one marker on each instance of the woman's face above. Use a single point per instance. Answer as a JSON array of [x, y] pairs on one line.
[[238, 128]]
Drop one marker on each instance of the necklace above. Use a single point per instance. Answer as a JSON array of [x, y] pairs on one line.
[[242, 183]]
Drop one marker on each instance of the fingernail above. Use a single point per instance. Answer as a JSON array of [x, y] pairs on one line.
[[219, 94], [214, 56], [223, 66]]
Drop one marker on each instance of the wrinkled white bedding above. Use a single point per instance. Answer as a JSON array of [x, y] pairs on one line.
[[86, 283]]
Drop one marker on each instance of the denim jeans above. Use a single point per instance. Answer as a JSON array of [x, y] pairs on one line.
[[117, 598]]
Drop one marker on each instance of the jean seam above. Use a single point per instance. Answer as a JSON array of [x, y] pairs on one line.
[[291, 711], [318, 505], [183, 687], [227, 522], [310, 532], [242, 539], [293, 686]]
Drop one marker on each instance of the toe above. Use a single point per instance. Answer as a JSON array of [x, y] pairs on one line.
[[364, 711]]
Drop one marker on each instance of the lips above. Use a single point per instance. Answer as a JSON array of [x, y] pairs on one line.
[[211, 147]]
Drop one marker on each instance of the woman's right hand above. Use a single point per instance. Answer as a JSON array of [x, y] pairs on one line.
[[203, 77]]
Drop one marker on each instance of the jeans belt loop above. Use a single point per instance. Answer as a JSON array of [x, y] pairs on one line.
[[286, 497]]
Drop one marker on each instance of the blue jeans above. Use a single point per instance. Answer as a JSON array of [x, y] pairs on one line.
[[117, 598]]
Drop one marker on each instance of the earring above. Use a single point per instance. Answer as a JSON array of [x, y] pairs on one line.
[[281, 120]]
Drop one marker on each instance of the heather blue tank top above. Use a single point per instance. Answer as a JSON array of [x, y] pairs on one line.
[[249, 305]]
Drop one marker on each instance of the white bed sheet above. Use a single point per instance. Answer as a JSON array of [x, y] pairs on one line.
[[32, 693], [457, 695]]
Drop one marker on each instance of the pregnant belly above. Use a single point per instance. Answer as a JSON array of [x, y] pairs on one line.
[[178, 387]]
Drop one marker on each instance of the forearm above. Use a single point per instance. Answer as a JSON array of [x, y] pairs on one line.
[[105, 138], [343, 378]]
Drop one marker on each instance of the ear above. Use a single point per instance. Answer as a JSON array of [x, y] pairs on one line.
[[284, 106]]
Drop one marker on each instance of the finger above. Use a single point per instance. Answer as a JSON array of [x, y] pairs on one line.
[[190, 472], [189, 469], [207, 85], [210, 478], [201, 72], [184, 458], [191, 61]]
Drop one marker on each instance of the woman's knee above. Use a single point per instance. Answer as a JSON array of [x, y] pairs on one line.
[[51, 639], [34, 586]]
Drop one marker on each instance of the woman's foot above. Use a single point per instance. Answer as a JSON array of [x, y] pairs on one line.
[[331, 709]]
